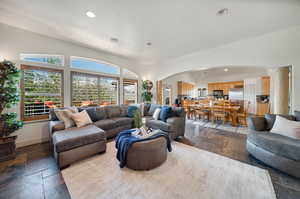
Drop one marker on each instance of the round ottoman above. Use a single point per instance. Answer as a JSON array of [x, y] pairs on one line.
[[147, 155]]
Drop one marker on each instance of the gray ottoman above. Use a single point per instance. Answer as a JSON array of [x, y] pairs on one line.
[[147, 155], [74, 144]]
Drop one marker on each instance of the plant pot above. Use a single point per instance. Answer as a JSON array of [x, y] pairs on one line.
[[7, 148]]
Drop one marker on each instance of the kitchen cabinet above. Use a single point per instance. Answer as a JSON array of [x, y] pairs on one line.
[[185, 89], [265, 85], [224, 86]]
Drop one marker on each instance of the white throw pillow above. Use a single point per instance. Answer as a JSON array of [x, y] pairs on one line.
[[81, 119], [286, 127], [156, 114]]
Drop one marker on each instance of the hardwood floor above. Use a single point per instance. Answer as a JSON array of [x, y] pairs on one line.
[[34, 174]]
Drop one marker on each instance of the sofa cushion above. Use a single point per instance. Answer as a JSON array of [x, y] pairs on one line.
[[178, 112], [75, 137], [146, 108], [270, 119], [53, 116], [124, 112], [277, 144], [158, 124], [82, 119], [122, 121], [106, 124], [297, 115], [113, 111], [165, 113], [91, 112], [152, 109], [101, 113], [131, 111]]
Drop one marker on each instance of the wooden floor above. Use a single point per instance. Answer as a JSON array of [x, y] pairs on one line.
[[34, 174]]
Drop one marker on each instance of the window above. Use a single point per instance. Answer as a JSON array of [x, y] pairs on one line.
[[88, 89], [41, 89], [130, 88], [129, 74], [94, 65], [57, 60]]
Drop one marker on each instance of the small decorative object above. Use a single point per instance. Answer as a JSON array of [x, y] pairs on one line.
[[9, 96], [146, 94], [137, 118]]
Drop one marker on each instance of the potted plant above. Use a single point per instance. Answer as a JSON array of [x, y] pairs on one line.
[[146, 94], [9, 96]]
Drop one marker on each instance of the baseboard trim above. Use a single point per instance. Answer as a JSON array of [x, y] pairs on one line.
[[31, 142]]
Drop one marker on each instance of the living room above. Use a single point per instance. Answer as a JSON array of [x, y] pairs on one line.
[[104, 60]]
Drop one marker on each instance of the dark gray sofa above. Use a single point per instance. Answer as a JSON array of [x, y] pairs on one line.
[[278, 151], [72, 144], [174, 126]]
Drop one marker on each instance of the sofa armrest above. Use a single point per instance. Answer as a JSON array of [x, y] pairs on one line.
[[257, 123], [177, 125], [56, 126]]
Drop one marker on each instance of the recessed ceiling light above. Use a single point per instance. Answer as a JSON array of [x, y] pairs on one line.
[[149, 43], [114, 39], [223, 11], [226, 69], [90, 14]]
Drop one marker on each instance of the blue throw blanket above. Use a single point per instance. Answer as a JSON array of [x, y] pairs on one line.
[[124, 141]]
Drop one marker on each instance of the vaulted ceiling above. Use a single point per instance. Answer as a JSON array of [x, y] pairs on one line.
[[174, 27]]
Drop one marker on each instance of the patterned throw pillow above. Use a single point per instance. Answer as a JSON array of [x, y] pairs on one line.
[[65, 115], [82, 118]]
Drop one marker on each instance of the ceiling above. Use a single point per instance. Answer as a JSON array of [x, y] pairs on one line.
[[218, 74], [174, 27]]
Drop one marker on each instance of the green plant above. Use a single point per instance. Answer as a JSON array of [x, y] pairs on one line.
[[9, 96], [137, 119], [146, 93]]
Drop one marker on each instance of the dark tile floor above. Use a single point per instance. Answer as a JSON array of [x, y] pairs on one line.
[[34, 174]]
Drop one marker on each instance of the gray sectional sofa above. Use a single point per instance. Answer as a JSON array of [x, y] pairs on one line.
[[72, 144], [278, 151]]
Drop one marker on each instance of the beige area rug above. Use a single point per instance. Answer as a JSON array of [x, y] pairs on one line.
[[188, 173]]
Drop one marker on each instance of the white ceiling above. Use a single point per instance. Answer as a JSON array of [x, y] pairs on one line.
[[174, 27], [218, 74]]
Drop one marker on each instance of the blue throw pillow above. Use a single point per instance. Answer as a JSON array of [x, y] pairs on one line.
[[131, 110], [165, 113]]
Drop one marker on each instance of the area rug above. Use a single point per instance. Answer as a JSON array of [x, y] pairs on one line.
[[188, 172]]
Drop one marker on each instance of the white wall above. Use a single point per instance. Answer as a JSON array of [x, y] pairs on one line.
[[14, 41], [275, 49], [172, 82]]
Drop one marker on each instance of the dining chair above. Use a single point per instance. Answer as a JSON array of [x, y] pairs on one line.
[[202, 113], [218, 112], [242, 116]]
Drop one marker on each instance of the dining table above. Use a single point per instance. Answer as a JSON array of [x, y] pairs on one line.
[[232, 109]]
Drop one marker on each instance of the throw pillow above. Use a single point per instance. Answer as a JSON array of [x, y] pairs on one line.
[[270, 120], [82, 118], [91, 111], [153, 107], [165, 113], [65, 115], [286, 127], [131, 110], [156, 114]]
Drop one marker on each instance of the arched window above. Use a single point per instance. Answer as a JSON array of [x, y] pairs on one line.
[[94, 65], [57, 60]]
